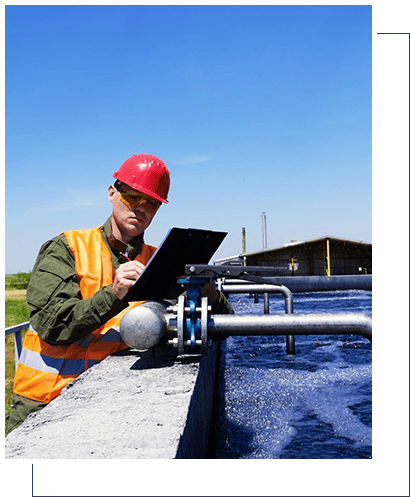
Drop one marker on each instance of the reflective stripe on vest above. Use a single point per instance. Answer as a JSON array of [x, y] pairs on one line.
[[43, 369], [61, 365]]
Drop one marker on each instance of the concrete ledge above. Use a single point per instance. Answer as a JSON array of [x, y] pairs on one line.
[[130, 406], [196, 438]]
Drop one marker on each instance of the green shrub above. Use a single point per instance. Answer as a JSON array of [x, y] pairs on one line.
[[18, 281]]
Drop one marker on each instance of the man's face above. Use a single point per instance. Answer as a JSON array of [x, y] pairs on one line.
[[132, 212]]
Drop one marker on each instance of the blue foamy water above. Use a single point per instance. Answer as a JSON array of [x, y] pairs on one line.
[[316, 404]]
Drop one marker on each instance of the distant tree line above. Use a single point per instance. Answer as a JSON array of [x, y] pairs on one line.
[[18, 281]]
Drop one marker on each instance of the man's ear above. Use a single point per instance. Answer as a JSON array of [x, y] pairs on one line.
[[111, 192]]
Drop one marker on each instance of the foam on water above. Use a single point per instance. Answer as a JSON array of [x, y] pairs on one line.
[[316, 404]]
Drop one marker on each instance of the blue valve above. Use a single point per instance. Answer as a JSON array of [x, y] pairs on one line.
[[193, 291]]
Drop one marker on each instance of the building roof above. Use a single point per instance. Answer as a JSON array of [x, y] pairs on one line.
[[238, 258]]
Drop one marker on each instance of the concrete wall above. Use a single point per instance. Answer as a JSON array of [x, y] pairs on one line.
[[130, 406], [196, 438]]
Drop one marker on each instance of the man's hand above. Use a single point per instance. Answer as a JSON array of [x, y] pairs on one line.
[[125, 276]]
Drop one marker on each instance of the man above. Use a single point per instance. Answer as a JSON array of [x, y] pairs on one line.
[[77, 285]]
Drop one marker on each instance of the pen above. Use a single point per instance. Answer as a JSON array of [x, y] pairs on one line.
[[125, 256]]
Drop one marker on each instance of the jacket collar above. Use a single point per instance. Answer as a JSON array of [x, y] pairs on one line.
[[117, 246]]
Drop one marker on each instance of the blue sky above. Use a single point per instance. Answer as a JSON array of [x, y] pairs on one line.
[[253, 108]]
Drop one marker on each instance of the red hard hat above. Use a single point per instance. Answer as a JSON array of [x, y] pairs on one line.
[[147, 174]]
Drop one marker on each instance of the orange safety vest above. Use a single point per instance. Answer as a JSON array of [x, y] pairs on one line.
[[43, 369]]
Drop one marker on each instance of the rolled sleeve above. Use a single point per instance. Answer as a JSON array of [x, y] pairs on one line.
[[58, 312]]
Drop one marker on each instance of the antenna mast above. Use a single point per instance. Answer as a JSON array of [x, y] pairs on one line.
[[264, 234]]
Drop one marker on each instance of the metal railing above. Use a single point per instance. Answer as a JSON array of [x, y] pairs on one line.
[[249, 287], [17, 329]]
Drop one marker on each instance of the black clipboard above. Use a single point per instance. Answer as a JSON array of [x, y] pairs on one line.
[[181, 246]]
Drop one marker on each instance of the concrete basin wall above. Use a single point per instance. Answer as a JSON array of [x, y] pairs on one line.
[[130, 406]]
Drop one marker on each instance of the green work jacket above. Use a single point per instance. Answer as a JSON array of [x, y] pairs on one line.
[[58, 312]]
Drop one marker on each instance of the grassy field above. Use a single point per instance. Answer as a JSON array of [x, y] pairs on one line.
[[16, 311], [8, 281], [15, 295]]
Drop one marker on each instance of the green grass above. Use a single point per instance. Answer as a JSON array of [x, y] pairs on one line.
[[9, 281], [16, 311]]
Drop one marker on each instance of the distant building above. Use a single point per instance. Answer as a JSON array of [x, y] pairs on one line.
[[325, 256]]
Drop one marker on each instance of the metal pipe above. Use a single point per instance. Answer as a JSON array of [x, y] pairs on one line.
[[290, 344], [223, 326], [229, 281], [266, 303], [266, 289], [313, 283], [143, 326], [17, 327], [261, 288]]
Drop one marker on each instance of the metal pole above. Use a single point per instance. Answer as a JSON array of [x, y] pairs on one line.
[[264, 246], [327, 257], [244, 245], [266, 303], [222, 326], [17, 329], [264, 234]]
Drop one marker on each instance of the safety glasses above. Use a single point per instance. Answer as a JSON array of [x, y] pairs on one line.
[[134, 199]]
